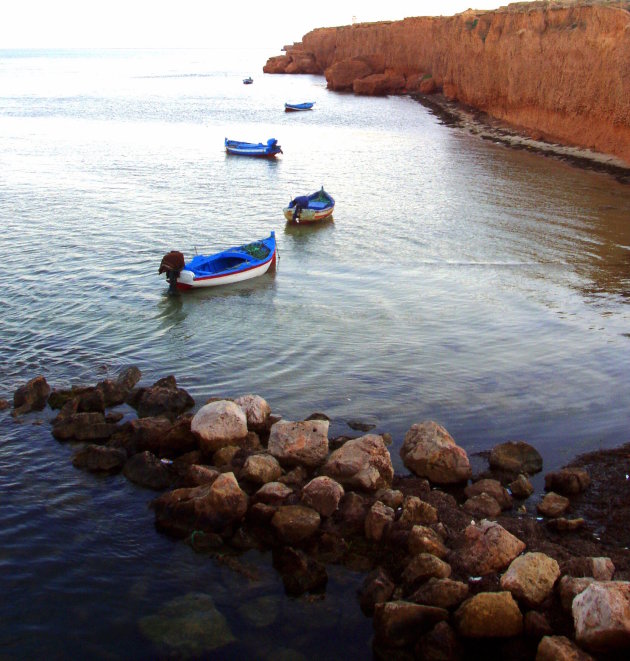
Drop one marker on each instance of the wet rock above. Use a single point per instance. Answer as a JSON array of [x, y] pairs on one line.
[[352, 512], [430, 451], [83, 427], [401, 623], [100, 459], [116, 391], [146, 470], [601, 568], [296, 477], [440, 644], [601, 616], [211, 508], [441, 592], [482, 506], [361, 463], [568, 481], [416, 511], [531, 577], [32, 396], [516, 457], [295, 523], [560, 648], [162, 398], [492, 488], [188, 627], [553, 505], [148, 435], [4, 404], [423, 539], [256, 410], [218, 424], [223, 456], [323, 494], [378, 520], [260, 469], [273, 493], [521, 487], [299, 443], [422, 567], [486, 548], [489, 615], [299, 572], [377, 588], [358, 425]]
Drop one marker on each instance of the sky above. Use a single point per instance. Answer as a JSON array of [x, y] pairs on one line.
[[197, 23]]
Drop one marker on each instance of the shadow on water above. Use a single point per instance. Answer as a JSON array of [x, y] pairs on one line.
[[302, 231]]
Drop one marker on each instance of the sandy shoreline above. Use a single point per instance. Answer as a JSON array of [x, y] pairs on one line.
[[479, 123]]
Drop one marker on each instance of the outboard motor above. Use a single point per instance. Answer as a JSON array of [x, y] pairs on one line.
[[172, 264]]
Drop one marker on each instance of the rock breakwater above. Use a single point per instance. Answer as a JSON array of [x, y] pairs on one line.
[[455, 567], [554, 71]]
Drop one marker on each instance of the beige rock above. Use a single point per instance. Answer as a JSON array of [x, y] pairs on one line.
[[417, 511], [531, 577], [425, 540], [401, 623], [256, 410], [218, 424], [260, 469], [377, 521], [553, 505], [424, 566], [493, 488], [361, 463], [440, 592], [482, 506], [295, 443], [295, 523]]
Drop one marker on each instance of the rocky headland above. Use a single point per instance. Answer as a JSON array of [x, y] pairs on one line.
[[557, 73], [456, 565]]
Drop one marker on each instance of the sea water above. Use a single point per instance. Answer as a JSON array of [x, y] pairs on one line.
[[460, 281]]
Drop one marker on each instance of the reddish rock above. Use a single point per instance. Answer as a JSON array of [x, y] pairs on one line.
[[560, 648], [99, 459], [295, 523], [401, 623], [32, 396], [299, 443], [379, 84], [489, 615], [568, 481], [553, 505], [342, 75], [323, 494]]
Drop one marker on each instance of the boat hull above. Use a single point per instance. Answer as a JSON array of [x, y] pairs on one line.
[[187, 279], [297, 107], [309, 215], [268, 150]]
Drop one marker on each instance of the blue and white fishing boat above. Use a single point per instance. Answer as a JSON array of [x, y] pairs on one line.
[[223, 268], [261, 150], [310, 208], [248, 81], [295, 107]]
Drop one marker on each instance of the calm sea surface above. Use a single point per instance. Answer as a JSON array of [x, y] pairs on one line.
[[460, 281]]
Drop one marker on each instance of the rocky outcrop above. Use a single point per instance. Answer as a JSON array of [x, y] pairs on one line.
[[556, 71]]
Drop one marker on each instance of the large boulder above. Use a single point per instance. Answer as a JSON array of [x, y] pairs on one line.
[[162, 398], [531, 577], [218, 424], [361, 463], [486, 548], [341, 75], [601, 615], [299, 443], [430, 451], [489, 615], [379, 84], [568, 481]]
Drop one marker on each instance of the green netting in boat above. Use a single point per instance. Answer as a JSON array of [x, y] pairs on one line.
[[257, 249]]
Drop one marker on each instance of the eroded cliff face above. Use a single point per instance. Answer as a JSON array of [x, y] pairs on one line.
[[556, 72]]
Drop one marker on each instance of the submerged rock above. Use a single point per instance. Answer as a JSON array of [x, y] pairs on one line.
[[188, 626], [32, 396], [516, 457]]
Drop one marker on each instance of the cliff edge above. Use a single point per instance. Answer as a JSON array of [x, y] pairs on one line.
[[557, 71]]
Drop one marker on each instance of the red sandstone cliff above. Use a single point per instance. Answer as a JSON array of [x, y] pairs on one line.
[[559, 71]]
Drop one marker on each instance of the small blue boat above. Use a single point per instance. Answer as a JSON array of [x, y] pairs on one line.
[[223, 268], [266, 150], [248, 81], [293, 107]]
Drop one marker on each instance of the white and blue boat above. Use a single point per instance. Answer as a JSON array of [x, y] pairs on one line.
[[248, 81], [296, 107], [310, 208], [223, 268], [262, 150]]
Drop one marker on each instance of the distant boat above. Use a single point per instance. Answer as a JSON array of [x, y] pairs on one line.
[[267, 150], [293, 107], [248, 81], [223, 268], [310, 208]]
